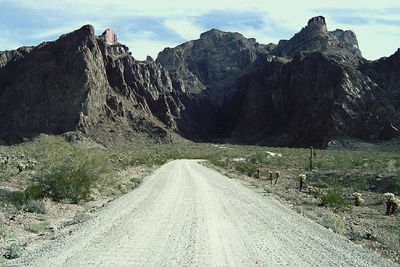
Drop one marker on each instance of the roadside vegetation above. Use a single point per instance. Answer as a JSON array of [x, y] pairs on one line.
[[354, 192], [50, 184]]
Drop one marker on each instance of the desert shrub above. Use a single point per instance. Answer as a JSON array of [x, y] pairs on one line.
[[245, 168], [35, 206], [14, 251], [5, 231], [357, 184], [81, 217], [38, 227], [332, 221], [268, 190], [69, 173], [355, 233], [223, 163], [27, 200], [257, 157], [378, 199], [336, 200]]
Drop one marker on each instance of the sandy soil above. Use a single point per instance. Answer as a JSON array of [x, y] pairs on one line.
[[186, 214]]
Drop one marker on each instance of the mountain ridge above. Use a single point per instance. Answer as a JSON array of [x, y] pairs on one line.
[[307, 90]]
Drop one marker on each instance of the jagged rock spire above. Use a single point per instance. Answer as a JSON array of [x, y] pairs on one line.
[[110, 37]]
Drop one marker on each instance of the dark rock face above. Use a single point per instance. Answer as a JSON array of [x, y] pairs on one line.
[[316, 37], [309, 101], [213, 62], [304, 91], [87, 83]]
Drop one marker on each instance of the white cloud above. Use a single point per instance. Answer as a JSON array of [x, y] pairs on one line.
[[375, 40], [194, 6], [143, 44], [184, 28]]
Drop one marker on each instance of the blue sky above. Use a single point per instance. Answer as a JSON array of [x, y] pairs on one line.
[[147, 27]]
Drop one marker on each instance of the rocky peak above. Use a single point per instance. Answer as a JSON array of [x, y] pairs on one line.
[[211, 33], [315, 37], [88, 29], [109, 37], [320, 21], [212, 62]]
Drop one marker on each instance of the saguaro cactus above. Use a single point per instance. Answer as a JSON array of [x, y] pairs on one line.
[[311, 158]]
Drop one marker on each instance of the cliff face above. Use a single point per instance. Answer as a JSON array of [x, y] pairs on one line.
[[304, 91], [309, 101], [213, 63], [87, 83], [385, 72]]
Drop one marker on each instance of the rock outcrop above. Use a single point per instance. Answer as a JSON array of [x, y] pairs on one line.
[[109, 37], [212, 63], [304, 91], [86, 83], [315, 37]]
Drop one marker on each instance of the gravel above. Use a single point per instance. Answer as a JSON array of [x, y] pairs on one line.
[[188, 215]]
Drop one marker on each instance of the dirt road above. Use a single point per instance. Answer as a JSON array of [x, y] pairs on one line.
[[188, 215]]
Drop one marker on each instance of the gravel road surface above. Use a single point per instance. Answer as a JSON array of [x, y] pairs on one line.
[[188, 215]]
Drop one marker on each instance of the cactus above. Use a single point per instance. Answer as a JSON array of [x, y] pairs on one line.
[[358, 200], [4, 161], [316, 191], [270, 176], [392, 203], [311, 157], [21, 167], [302, 179], [396, 204], [277, 174]]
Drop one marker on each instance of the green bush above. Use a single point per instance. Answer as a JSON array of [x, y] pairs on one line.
[[257, 157], [28, 200], [336, 200], [14, 251], [68, 173], [245, 168]]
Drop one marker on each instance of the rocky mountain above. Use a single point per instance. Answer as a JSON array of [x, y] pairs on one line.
[[308, 90], [304, 91], [87, 83]]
